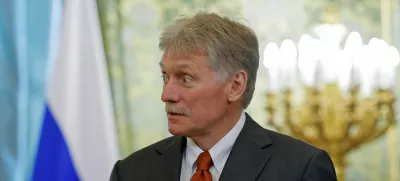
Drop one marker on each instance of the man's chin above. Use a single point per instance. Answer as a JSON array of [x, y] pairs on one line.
[[176, 132]]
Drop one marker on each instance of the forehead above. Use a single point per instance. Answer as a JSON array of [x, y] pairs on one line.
[[173, 59]]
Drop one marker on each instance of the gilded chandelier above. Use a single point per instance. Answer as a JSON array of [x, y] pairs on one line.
[[332, 96]]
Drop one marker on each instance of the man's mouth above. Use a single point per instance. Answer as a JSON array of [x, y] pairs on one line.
[[175, 114]]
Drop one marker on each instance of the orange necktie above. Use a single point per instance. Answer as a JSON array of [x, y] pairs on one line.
[[204, 163]]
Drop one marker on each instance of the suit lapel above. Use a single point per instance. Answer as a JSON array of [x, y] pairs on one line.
[[249, 154], [168, 165]]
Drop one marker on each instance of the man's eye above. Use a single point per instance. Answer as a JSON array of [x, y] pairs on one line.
[[187, 80], [165, 78]]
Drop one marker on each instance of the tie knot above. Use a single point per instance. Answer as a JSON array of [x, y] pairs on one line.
[[204, 161]]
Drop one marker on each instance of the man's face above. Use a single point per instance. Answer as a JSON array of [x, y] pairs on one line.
[[194, 100]]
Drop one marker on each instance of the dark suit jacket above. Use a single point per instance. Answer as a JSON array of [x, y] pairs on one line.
[[258, 154]]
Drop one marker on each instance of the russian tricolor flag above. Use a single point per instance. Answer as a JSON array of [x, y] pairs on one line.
[[78, 139]]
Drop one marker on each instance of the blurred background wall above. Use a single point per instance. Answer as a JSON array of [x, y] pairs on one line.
[[130, 31]]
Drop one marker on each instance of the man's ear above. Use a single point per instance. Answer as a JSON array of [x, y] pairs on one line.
[[238, 86]]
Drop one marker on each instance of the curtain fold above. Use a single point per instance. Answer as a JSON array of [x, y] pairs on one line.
[[8, 95], [25, 30]]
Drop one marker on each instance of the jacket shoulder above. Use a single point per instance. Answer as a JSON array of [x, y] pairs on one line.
[[147, 152], [303, 160], [138, 163], [288, 145]]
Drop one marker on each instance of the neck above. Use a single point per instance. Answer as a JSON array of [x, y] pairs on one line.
[[219, 130]]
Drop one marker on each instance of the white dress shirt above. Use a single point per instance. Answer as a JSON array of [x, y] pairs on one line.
[[219, 153]]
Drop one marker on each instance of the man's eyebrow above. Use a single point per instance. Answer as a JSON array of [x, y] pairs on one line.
[[179, 66]]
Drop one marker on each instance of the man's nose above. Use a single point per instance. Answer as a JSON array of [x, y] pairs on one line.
[[170, 93]]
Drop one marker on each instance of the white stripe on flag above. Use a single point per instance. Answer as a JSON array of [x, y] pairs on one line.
[[79, 93]]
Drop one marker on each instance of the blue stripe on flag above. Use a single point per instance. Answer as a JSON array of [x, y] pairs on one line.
[[53, 160]]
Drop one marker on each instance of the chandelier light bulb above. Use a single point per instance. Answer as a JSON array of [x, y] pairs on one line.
[[374, 52], [305, 45], [272, 63], [288, 53], [271, 55], [288, 58], [354, 43], [393, 56]]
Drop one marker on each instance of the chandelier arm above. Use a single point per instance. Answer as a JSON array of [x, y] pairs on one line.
[[329, 113], [386, 101], [379, 133], [357, 140], [271, 109], [345, 142], [351, 106], [366, 124], [295, 131], [318, 118]]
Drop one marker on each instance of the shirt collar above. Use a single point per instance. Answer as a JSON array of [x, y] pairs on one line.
[[220, 151]]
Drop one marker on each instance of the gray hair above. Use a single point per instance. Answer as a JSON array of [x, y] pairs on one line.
[[230, 45]]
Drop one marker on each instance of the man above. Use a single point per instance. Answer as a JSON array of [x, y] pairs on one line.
[[209, 70]]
